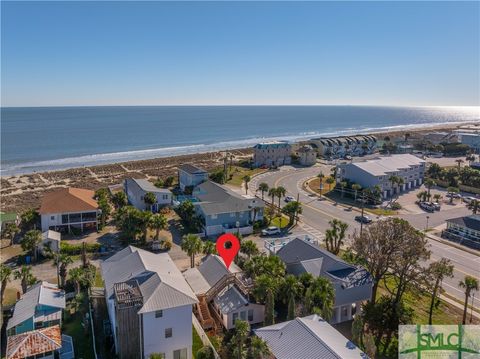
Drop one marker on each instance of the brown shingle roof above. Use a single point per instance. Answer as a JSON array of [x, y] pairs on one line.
[[34, 342], [68, 200]]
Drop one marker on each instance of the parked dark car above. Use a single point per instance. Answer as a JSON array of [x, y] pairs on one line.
[[363, 219]]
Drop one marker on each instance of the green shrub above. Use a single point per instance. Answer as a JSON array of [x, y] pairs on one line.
[[73, 249]]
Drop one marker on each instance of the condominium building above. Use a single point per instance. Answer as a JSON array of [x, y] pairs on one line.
[[272, 154], [338, 147]]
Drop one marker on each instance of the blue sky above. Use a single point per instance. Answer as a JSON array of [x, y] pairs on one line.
[[162, 53]]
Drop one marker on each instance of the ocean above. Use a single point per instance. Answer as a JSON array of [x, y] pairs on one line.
[[51, 138]]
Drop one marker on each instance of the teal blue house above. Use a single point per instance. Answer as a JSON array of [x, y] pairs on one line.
[[225, 211], [40, 307]]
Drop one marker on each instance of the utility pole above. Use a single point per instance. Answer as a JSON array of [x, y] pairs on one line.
[[225, 167], [298, 204], [361, 219]]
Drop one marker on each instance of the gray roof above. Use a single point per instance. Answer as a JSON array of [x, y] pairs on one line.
[[470, 222], [41, 293], [192, 169], [161, 284], [302, 256], [272, 144], [208, 273], [146, 185], [230, 299], [215, 199], [388, 164], [308, 338]]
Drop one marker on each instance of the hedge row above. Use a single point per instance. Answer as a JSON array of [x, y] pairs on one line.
[[72, 249]]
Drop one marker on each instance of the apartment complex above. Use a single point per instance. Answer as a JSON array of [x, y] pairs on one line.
[[377, 172], [272, 154], [149, 304], [341, 146]]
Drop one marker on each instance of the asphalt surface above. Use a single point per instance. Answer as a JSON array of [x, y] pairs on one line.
[[316, 215]]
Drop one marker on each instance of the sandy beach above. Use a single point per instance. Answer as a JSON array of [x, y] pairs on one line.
[[21, 192]]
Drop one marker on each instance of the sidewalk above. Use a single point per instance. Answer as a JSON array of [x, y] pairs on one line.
[[460, 306]]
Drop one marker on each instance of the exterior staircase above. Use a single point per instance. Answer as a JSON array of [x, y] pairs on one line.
[[232, 278], [203, 313]]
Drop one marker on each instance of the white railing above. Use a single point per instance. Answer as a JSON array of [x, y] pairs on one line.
[[203, 336], [273, 245]]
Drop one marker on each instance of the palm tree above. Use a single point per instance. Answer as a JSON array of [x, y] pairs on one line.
[[290, 285], [119, 199], [437, 197], [393, 183], [438, 271], [258, 348], [335, 235], [343, 184], [145, 220], [246, 179], [281, 191], [191, 244], [272, 192], [470, 284], [356, 187], [429, 183], [150, 199], [320, 298], [77, 276], [459, 163], [5, 276], [157, 222], [263, 187], [10, 231], [292, 210], [249, 248], [26, 277], [30, 242], [451, 191], [474, 206], [63, 260], [242, 329], [330, 180], [209, 248], [321, 177]]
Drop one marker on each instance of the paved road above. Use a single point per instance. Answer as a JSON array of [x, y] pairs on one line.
[[317, 214]]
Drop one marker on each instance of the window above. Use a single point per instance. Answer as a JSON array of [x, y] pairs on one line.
[[158, 313], [64, 218], [168, 333], [250, 315], [234, 317], [213, 216], [52, 218], [180, 354], [243, 315]]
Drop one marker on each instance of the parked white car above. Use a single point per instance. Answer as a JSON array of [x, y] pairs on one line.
[[270, 231]]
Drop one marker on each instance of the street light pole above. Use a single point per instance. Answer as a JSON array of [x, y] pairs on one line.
[[426, 228]]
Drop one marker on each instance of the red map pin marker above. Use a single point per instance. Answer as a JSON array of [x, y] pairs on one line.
[[229, 253]]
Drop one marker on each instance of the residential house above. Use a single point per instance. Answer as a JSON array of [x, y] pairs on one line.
[[9, 217], [136, 189], [352, 284], [439, 137], [191, 176], [309, 337], [69, 208], [272, 154], [307, 156], [149, 304], [465, 230], [470, 135], [377, 172], [50, 239], [39, 343], [341, 146], [225, 211], [222, 293], [40, 307]]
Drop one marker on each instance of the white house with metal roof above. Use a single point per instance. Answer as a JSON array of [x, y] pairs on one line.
[[136, 189], [308, 338], [40, 307], [222, 293], [149, 305], [225, 211], [377, 172], [190, 175], [352, 284]]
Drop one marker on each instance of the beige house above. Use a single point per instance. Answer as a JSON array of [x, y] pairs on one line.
[[307, 156]]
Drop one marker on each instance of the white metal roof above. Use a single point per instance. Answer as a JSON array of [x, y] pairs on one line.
[[308, 338], [161, 283], [388, 164]]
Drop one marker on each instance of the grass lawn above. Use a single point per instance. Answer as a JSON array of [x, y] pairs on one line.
[[10, 296], [444, 313], [73, 325], [197, 342], [280, 222], [239, 172], [98, 279], [381, 211], [314, 185]]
